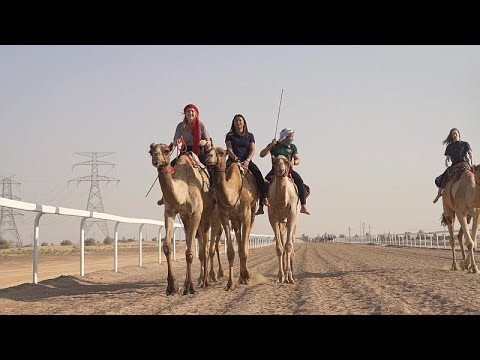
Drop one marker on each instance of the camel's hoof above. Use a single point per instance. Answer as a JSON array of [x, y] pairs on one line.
[[220, 273], [172, 289], [213, 277], [230, 286], [189, 290], [243, 281], [454, 267], [280, 280]]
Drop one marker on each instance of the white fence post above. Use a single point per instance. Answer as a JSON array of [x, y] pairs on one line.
[[115, 247], [36, 230]]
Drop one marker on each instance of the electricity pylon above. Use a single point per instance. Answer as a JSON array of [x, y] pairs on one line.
[[7, 220], [95, 202]]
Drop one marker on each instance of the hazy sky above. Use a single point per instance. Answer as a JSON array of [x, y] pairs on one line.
[[369, 124]]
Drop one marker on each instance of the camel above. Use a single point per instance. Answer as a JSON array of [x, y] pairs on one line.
[[184, 193], [462, 198], [237, 196], [283, 213]]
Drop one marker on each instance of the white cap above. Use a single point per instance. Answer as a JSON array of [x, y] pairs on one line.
[[284, 133]]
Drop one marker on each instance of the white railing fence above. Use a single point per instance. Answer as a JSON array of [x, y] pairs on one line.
[[255, 241], [432, 239]]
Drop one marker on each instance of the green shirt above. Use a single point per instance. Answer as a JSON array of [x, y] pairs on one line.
[[286, 150]]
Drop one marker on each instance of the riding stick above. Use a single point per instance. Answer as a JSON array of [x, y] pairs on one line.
[[278, 115]]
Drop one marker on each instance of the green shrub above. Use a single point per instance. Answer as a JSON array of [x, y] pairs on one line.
[[90, 242], [44, 244], [66, 242], [4, 244], [108, 240]]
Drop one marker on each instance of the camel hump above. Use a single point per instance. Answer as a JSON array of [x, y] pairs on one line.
[[458, 170]]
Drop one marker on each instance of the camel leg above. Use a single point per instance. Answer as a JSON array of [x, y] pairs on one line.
[[462, 219], [200, 258], [279, 249], [216, 233], [460, 241], [289, 248], [476, 217], [450, 218], [211, 255], [230, 254], [203, 254], [172, 287], [217, 250], [193, 223], [473, 267], [283, 235], [292, 257], [245, 273]]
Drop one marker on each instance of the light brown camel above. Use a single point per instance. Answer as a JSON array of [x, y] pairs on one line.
[[184, 193], [283, 212], [462, 198], [237, 196]]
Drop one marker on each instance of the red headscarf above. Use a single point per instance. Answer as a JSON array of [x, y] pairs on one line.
[[195, 129]]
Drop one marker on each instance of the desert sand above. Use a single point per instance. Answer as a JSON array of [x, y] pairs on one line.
[[331, 278]]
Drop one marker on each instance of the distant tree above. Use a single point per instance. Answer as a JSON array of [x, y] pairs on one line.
[[108, 240], [44, 244], [4, 244], [66, 242], [341, 236], [90, 242]]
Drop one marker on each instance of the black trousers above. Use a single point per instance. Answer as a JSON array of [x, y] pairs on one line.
[[297, 179], [257, 174]]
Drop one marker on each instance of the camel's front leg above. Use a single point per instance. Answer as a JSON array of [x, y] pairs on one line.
[[230, 253], [450, 217], [172, 287], [245, 272], [278, 248], [190, 232], [462, 219], [289, 250], [476, 215], [217, 250], [211, 255], [203, 255]]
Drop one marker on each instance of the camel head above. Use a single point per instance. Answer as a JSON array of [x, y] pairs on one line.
[[281, 166], [160, 154], [216, 157]]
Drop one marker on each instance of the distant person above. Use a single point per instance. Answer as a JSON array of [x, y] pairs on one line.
[[284, 146], [241, 147], [458, 153], [193, 133]]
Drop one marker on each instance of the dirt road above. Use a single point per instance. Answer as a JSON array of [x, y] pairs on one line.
[[330, 278]]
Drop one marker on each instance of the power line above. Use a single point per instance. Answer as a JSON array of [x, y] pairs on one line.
[[95, 202]]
